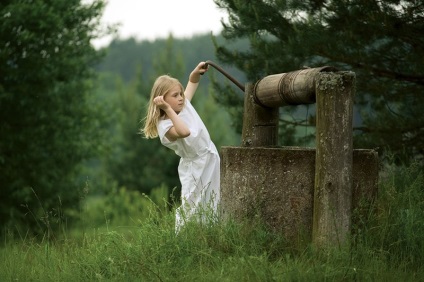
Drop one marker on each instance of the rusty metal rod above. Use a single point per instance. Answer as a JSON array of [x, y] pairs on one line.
[[241, 86]]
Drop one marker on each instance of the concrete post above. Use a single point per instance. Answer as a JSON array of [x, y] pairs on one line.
[[333, 167], [260, 124]]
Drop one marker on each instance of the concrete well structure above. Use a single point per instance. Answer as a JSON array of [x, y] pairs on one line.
[[311, 193], [277, 185]]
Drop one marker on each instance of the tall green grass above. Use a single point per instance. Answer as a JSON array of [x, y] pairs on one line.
[[397, 227], [388, 248]]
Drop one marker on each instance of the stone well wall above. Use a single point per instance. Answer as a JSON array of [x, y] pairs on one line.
[[277, 184]]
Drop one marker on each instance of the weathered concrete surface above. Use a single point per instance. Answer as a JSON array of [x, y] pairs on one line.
[[260, 125], [277, 184], [332, 216]]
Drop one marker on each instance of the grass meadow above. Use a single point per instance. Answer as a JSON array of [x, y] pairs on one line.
[[129, 244]]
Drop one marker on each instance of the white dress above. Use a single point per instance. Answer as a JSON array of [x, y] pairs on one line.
[[199, 167]]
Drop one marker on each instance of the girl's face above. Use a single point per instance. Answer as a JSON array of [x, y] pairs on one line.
[[174, 97]]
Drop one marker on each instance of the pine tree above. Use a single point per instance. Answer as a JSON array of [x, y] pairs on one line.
[[49, 121], [381, 41]]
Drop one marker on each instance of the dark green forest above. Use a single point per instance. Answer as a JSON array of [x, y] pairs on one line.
[[70, 114]]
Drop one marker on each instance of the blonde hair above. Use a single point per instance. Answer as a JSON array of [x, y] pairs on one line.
[[163, 84]]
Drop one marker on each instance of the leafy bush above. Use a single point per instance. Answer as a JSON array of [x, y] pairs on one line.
[[122, 207]]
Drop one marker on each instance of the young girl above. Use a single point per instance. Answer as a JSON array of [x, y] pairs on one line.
[[171, 116]]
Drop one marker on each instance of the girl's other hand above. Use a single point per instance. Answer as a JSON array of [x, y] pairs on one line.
[[160, 102]]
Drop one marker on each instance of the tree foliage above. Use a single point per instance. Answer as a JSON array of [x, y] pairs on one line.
[[381, 41], [48, 121]]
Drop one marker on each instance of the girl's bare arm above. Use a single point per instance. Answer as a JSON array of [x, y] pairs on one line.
[[180, 128], [193, 81]]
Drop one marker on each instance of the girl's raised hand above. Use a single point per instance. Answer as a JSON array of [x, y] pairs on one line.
[[199, 70]]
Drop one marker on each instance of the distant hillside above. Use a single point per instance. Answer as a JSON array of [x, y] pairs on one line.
[[124, 57]]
